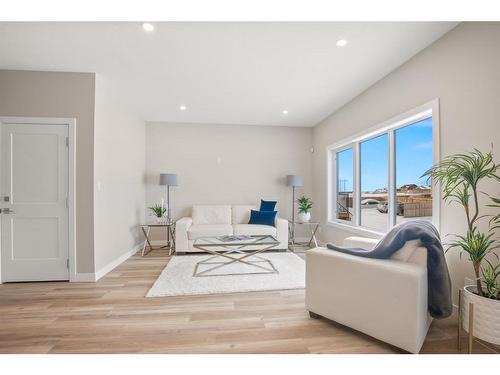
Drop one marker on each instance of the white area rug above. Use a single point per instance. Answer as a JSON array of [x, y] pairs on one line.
[[177, 278]]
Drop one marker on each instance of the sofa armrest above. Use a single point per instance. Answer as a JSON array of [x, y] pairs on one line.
[[360, 242], [282, 232], [383, 298], [181, 234]]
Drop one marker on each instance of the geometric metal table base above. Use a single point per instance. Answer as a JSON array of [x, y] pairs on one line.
[[263, 265], [313, 228], [170, 237]]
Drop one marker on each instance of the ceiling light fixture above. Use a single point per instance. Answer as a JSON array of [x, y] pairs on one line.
[[148, 26], [183, 107], [341, 42], [285, 112]]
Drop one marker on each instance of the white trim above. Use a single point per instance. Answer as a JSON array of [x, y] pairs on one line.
[[356, 186], [71, 123], [115, 263], [83, 278], [355, 229], [391, 184], [421, 112], [416, 114], [93, 277]]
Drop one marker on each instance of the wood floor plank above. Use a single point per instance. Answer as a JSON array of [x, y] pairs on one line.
[[114, 316]]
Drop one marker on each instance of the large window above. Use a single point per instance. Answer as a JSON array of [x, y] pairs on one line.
[[375, 179]]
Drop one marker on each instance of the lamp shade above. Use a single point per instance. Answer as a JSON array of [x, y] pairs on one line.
[[293, 180], [169, 179]]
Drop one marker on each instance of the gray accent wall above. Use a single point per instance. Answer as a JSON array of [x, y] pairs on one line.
[[226, 164], [462, 70], [56, 94]]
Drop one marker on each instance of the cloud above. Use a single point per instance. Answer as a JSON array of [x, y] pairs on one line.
[[424, 145]]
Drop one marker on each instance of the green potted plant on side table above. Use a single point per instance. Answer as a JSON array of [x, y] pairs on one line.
[[158, 211], [460, 176], [305, 204]]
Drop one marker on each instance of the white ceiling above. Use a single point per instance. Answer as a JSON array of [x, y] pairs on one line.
[[225, 73]]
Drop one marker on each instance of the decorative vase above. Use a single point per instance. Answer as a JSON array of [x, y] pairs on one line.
[[486, 319], [304, 217], [159, 220]]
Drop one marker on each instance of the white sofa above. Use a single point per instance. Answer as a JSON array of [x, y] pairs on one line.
[[384, 298], [209, 221]]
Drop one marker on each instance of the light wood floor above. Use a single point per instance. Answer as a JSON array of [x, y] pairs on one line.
[[113, 316]]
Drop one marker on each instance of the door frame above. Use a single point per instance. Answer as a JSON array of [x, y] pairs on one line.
[[71, 124]]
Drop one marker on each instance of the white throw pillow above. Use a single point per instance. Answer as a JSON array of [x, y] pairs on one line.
[[241, 214]]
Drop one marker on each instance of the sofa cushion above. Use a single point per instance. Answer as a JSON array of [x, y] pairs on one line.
[[241, 214], [209, 230], [254, 229], [211, 215]]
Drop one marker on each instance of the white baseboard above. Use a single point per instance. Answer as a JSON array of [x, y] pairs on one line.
[[82, 278], [93, 277], [115, 263]]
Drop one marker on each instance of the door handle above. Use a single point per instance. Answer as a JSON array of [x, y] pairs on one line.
[[6, 211]]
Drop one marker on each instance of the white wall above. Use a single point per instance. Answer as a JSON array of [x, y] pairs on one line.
[[119, 190], [254, 161], [59, 94], [462, 70]]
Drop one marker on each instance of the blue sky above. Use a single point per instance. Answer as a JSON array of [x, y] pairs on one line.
[[413, 157]]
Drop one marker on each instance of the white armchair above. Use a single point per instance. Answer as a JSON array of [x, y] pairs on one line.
[[384, 298]]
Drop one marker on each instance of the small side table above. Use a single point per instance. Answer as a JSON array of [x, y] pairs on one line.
[[312, 227], [170, 228]]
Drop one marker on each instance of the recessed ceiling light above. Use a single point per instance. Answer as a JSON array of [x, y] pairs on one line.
[[148, 26], [183, 107], [285, 112], [341, 42]]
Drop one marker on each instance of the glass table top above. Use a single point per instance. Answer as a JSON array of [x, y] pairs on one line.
[[236, 240]]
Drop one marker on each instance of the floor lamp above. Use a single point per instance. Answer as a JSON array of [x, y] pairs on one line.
[[293, 181], [168, 179]]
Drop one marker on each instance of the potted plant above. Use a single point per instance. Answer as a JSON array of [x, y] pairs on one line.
[[158, 211], [305, 204], [460, 176]]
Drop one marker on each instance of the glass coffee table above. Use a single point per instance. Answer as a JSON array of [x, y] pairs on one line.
[[228, 251]]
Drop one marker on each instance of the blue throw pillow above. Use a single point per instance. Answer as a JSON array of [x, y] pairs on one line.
[[262, 217], [267, 205]]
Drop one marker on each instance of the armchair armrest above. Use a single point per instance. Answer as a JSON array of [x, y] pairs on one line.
[[181, 233], [361, 242], [282, 232]]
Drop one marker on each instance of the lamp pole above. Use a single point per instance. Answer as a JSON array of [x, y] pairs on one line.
[[293, 217], [293, 181], [168, 203]]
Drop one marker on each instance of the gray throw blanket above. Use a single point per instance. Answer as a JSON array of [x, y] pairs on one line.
[[439, 284]]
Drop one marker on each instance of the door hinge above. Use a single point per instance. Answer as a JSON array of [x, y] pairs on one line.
[[67, 204], [67, 263], [67, 141]]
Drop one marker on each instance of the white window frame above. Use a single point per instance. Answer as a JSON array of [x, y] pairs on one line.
[[429, 109]]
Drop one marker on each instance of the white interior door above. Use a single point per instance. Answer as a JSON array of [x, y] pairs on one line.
[[34, 193]]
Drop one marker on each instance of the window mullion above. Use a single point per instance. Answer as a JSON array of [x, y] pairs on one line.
[[391, 191], [356, 185]]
